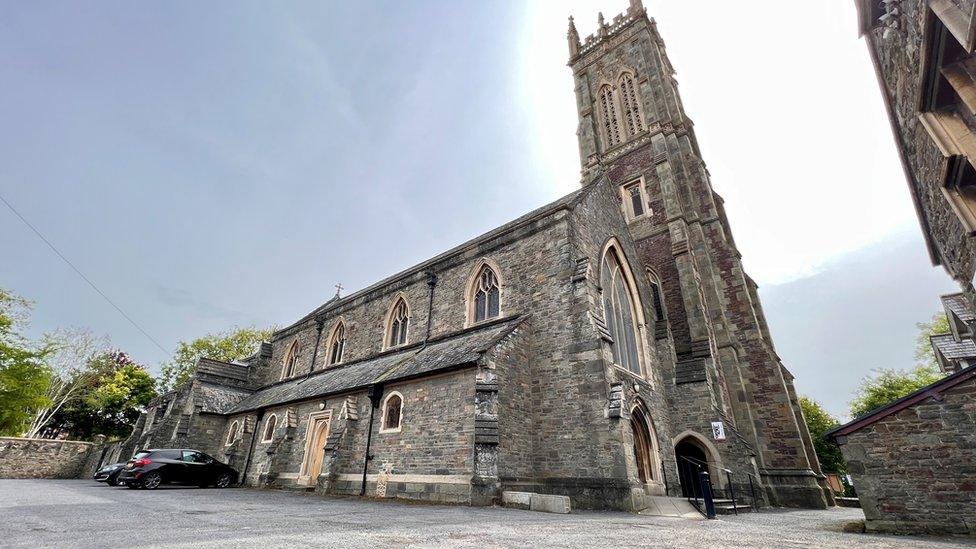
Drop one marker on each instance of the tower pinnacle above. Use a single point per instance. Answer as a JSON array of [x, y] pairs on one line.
[[574, 39]]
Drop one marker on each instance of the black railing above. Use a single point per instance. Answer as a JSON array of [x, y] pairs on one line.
[[697, 487]]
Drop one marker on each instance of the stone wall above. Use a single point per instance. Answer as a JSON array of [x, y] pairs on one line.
[[915, 470], [43, 458], [899, 62]]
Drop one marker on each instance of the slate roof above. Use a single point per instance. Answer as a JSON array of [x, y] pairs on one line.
[[959, 307], [216, 399], [442, 354], [952, 349]]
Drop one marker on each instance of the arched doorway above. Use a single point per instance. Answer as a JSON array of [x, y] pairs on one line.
[[692, 458], [645, 449]]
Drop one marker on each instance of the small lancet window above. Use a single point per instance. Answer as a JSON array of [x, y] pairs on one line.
[[487, 295], [232, 433], [620, 313], [269, 428], [337, 343], [399, 323], [632, 115], [608, 106], [656, 296], [291, 359], [392, 412]]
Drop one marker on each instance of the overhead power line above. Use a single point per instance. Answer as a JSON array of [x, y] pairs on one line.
[[83, 277]]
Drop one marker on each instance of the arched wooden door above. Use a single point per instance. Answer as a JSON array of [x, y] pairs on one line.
[[318, 435], [643, 447]]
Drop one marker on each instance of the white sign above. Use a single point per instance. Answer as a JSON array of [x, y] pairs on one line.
[[718, 430]]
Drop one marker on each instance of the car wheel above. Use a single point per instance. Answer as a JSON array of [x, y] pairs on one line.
[[151, 481], [223, 480], [115, 482]]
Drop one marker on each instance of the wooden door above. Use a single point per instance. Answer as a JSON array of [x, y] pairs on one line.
[[320, 433]]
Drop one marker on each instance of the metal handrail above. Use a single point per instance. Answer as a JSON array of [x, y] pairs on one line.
[[698, 470]]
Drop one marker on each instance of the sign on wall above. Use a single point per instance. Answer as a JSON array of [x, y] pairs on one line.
[[718, 430]]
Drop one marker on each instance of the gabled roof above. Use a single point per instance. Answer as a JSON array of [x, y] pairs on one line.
[[959, 306], [449, 352], [952, 349], [934, 390]]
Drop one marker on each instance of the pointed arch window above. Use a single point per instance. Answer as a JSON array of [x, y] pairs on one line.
[[486, 295], [290, 362], [392, 413], [235, 427], [608, 107], [399, 324], [269, 428], [337, 343], [656, 295], [620, 313], [632, 114]]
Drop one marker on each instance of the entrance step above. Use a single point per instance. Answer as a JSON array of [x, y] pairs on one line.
[[661, 506]]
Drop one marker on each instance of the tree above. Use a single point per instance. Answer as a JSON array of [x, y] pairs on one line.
[[112, 391], [818, 423], [24, 378], [226, 346], [924, 354], [886, 385], [71, 353]]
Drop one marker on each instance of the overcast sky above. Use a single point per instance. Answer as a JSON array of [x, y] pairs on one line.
[[221, 164]]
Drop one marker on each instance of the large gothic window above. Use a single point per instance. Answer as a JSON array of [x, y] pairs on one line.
[[291, 359], [337, 343], [485, 295], [620, 313], [631, 109], [608, 107], [399, 323]]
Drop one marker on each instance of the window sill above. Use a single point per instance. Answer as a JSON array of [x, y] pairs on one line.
[[389, 431], [638, 377]]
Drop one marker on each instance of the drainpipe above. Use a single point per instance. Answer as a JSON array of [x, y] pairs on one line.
[[431, 282], [319, 324], [250, 448], [375, 393]]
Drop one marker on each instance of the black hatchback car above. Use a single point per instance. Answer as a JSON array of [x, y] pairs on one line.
[[109, 474], [150, 468]]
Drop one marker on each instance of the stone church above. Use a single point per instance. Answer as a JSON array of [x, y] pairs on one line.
[[589, 348]]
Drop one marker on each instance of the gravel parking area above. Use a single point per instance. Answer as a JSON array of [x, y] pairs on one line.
[[78, 514]]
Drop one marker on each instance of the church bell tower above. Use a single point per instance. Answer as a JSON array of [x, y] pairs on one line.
[[634, 130]]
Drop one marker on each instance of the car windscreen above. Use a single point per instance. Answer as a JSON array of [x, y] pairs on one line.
[[140, 455]]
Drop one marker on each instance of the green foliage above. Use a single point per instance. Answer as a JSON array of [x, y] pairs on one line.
[[924, 353], [24, 378], [113, 391], [226, 346], [886, 386], [819, 422]]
